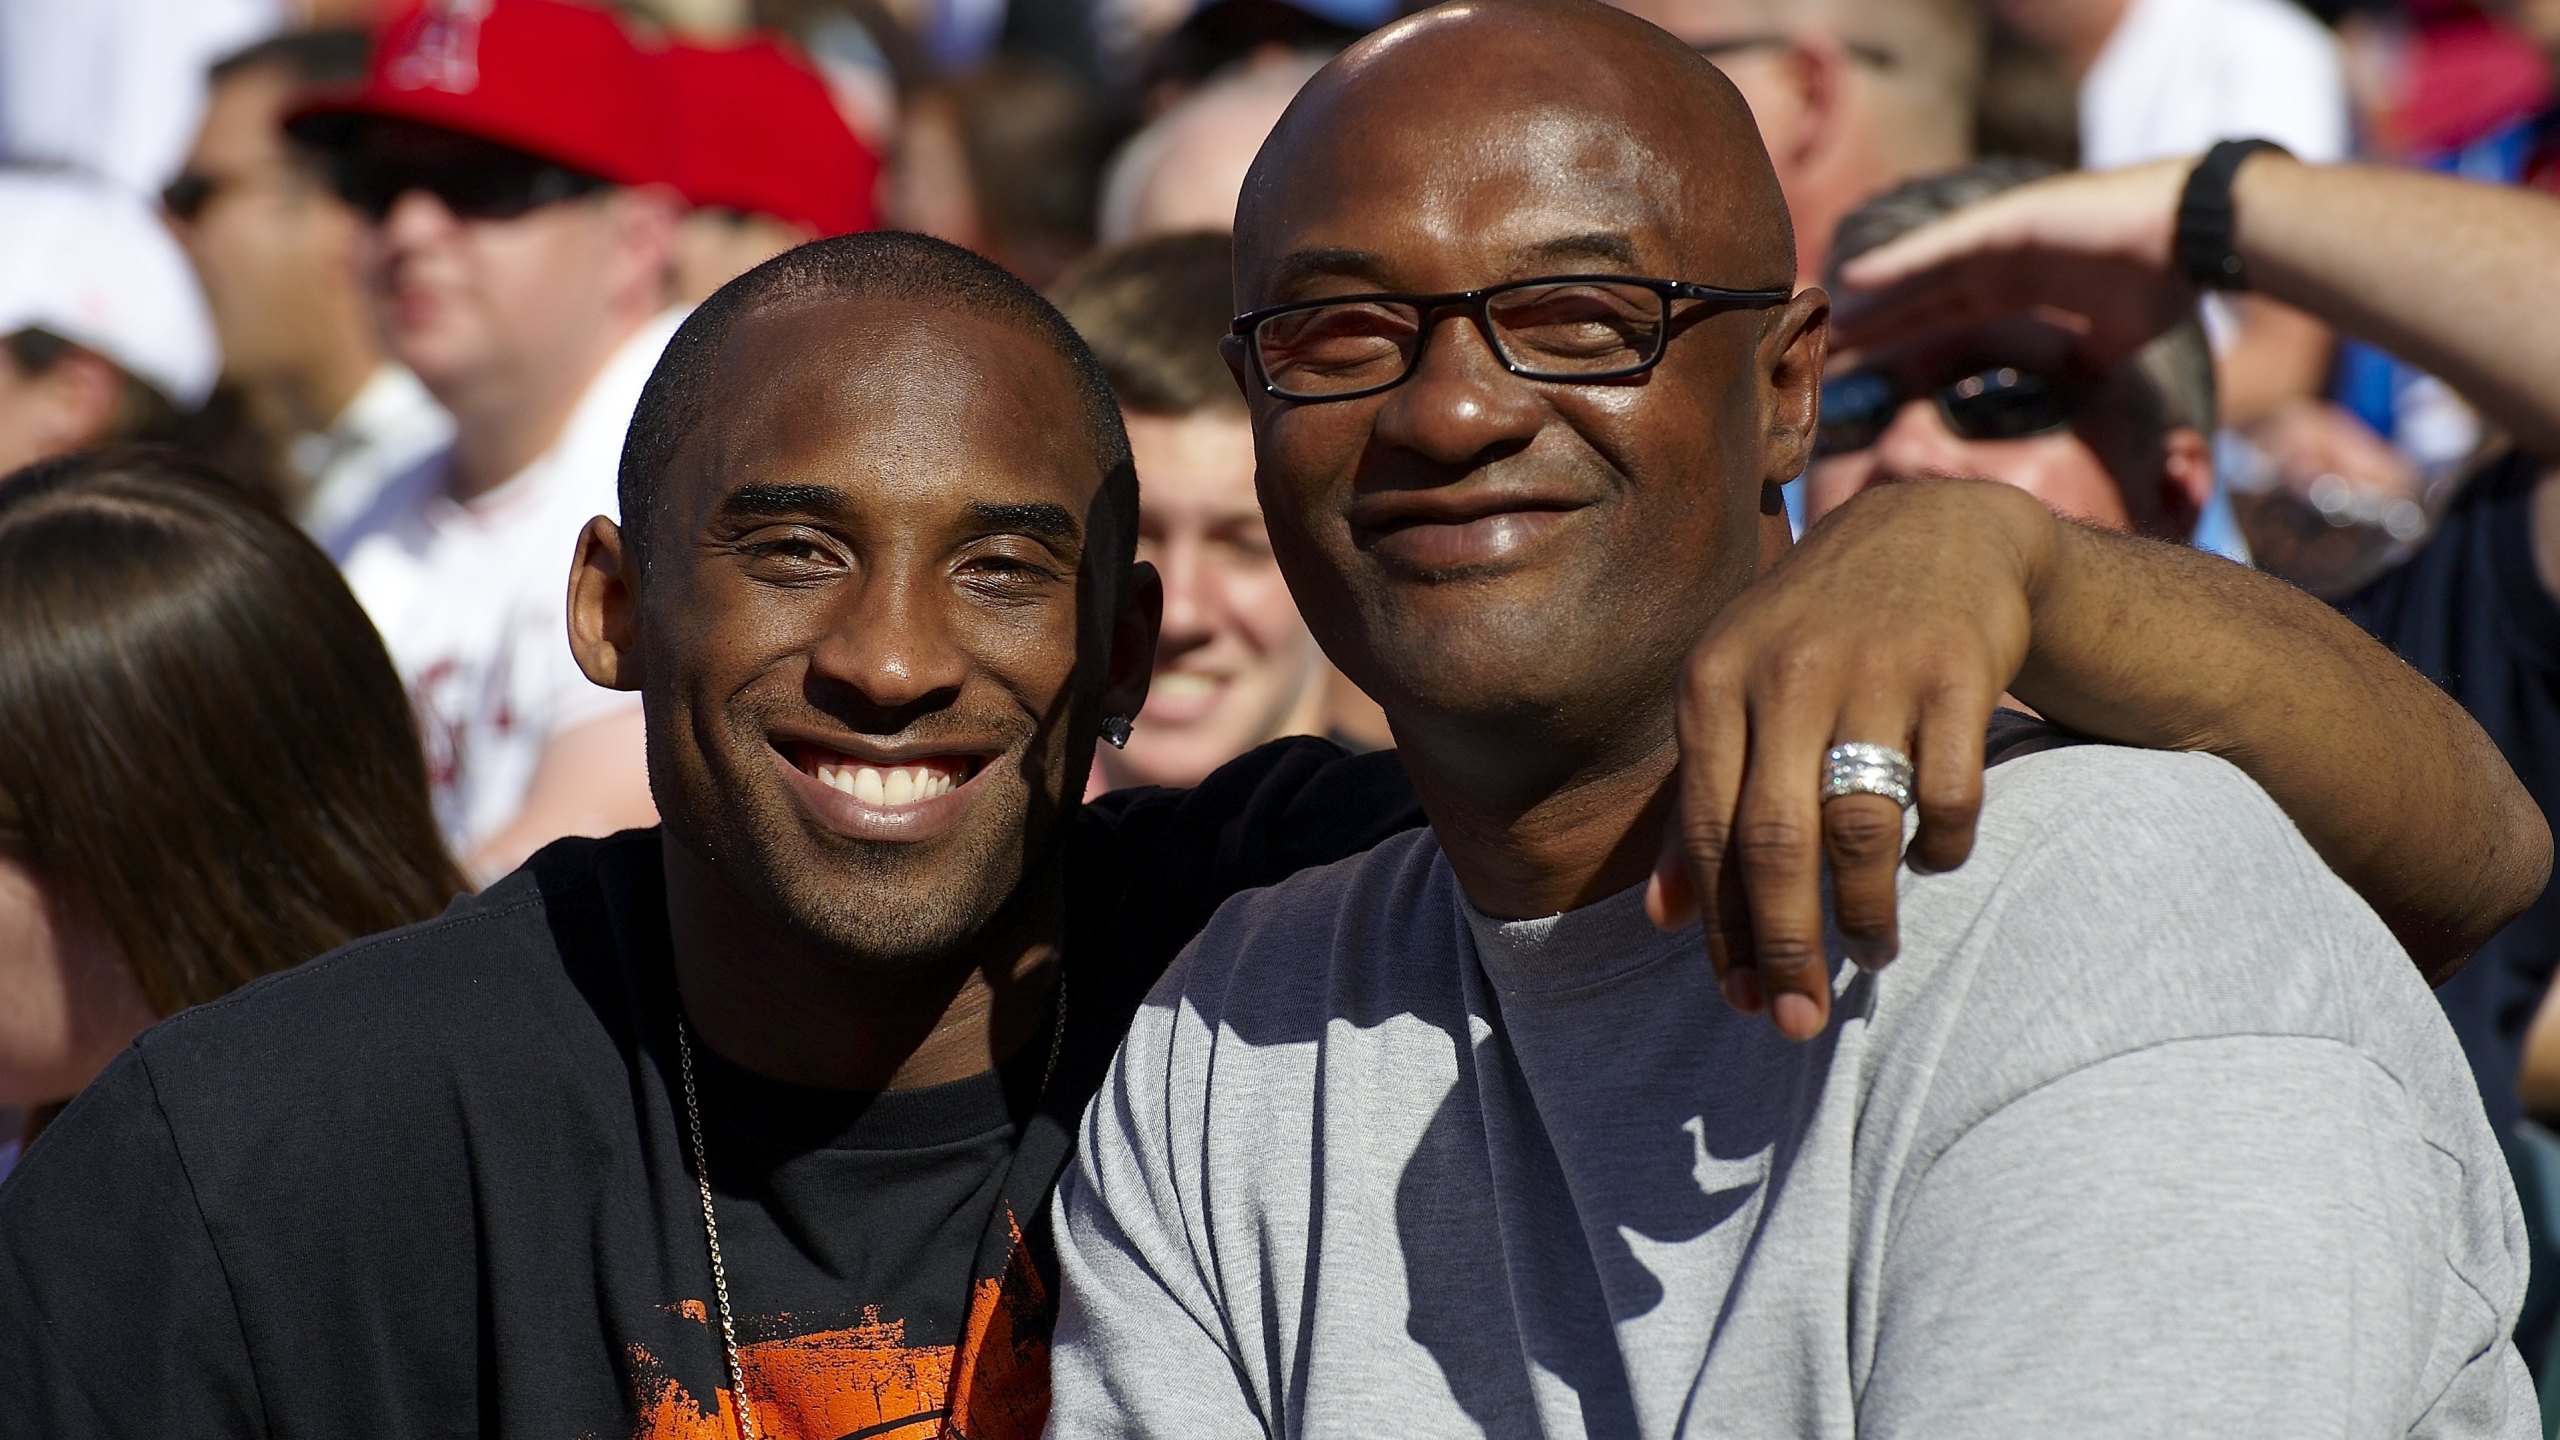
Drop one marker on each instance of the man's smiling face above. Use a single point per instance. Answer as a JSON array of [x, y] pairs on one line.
[[877, 624], [1471, 544]]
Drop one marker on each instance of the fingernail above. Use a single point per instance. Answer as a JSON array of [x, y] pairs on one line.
[[1871, 952], [1798, 1018], [1742, 992]]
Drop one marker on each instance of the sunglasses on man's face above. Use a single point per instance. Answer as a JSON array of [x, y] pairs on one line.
[[487, 185], [2000, 403]]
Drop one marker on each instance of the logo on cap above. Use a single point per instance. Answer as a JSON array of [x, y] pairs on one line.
[[444, 52]]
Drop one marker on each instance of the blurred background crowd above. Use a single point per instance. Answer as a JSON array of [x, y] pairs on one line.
[[394, 273]]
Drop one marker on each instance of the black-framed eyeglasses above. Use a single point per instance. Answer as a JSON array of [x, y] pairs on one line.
[[491, 183], [2002, 402], [1578, 329]]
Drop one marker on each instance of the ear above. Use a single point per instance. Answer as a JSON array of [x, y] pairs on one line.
[[1815, 70], [604, 607], [1240, 365], [647, 221], [1132, 661], [1792, 352], [2186, 480]]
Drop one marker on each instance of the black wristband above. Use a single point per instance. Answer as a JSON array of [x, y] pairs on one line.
[[2204, 252]]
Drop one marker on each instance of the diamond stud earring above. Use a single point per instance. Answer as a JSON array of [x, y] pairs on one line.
[[1115, 731]]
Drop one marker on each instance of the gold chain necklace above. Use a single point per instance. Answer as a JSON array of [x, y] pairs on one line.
[[711, 1221]]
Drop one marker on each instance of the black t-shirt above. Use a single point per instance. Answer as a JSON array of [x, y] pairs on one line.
[[437, 1183], [2470, 612]]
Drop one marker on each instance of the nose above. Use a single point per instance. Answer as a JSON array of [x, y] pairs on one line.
[[1459, 402], [1191, 592], [1918, 443], [889, 652], [415, 217]]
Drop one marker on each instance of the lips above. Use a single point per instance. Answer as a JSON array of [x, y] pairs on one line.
[[882, 797], [1180, 697], [1457, 526]]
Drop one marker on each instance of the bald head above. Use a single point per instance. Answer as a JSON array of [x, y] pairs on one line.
[[1428, 106], [1510, 554]]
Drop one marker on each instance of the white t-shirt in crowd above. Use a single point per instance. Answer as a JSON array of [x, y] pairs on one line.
[[2179, 75], [391, 425], [471, 598]]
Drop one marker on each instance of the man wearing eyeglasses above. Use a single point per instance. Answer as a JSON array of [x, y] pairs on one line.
[[1451, 1139], [2121, 441], [510, 160], [276, 250]]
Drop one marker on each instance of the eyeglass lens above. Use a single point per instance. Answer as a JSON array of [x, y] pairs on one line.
[[1575, 330], [2001, 403], [495, 187]]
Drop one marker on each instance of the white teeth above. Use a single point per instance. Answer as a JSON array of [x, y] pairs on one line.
[[868, 787], [1176, 685], [887, 789]]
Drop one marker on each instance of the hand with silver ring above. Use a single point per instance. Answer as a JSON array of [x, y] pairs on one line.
[[1853, 680], [1854, 767]]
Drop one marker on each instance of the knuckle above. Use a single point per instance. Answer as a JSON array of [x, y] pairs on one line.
[[1862, 834], [1705, 834], [1787, 955], [1791, 666], [1952, 802], [1771, 844]]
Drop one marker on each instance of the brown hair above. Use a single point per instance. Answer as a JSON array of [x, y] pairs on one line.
[[1154, 311], [201, 736]]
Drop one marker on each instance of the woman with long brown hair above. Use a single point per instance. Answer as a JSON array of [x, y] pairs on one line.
[[208, 770]]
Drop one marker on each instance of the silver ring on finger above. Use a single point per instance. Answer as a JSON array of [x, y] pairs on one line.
[[1856, 767]]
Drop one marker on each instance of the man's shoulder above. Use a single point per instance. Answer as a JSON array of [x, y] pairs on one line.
[[2151, 855], [484, 988], [2120, 901], [1301, 945]]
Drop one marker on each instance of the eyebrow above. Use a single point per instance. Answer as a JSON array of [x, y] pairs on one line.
[[781, 499], [1323, 262], [1604, 245], [1038, 519]]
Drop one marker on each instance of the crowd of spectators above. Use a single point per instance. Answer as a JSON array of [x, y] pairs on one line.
[[323, 325]]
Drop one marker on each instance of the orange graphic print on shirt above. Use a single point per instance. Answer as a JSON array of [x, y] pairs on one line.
[[866, 1380]]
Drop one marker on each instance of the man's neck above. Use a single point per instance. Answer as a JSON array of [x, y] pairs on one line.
[[504, 422], [791, 1009], [341, 359], [2080, 42], [1552, 844]]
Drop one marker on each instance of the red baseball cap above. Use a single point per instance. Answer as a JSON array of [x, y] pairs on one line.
[[559, 81], [754, 128]]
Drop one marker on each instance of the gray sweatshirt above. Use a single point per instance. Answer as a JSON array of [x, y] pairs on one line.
[[2152, 1131]]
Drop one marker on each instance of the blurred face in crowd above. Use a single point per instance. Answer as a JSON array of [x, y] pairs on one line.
[[2011, 402], [1235, 665], [1525, 557], [877, 626], [491, 272], [274, 247], [68, 1002], [1850, 97]]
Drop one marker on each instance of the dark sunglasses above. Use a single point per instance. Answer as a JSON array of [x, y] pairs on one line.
[[185, 197], [492, 185], [2001, 403]]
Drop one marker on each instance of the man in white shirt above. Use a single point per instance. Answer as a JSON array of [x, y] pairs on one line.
[[277, 250], [2171, 77], [512, 160]]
